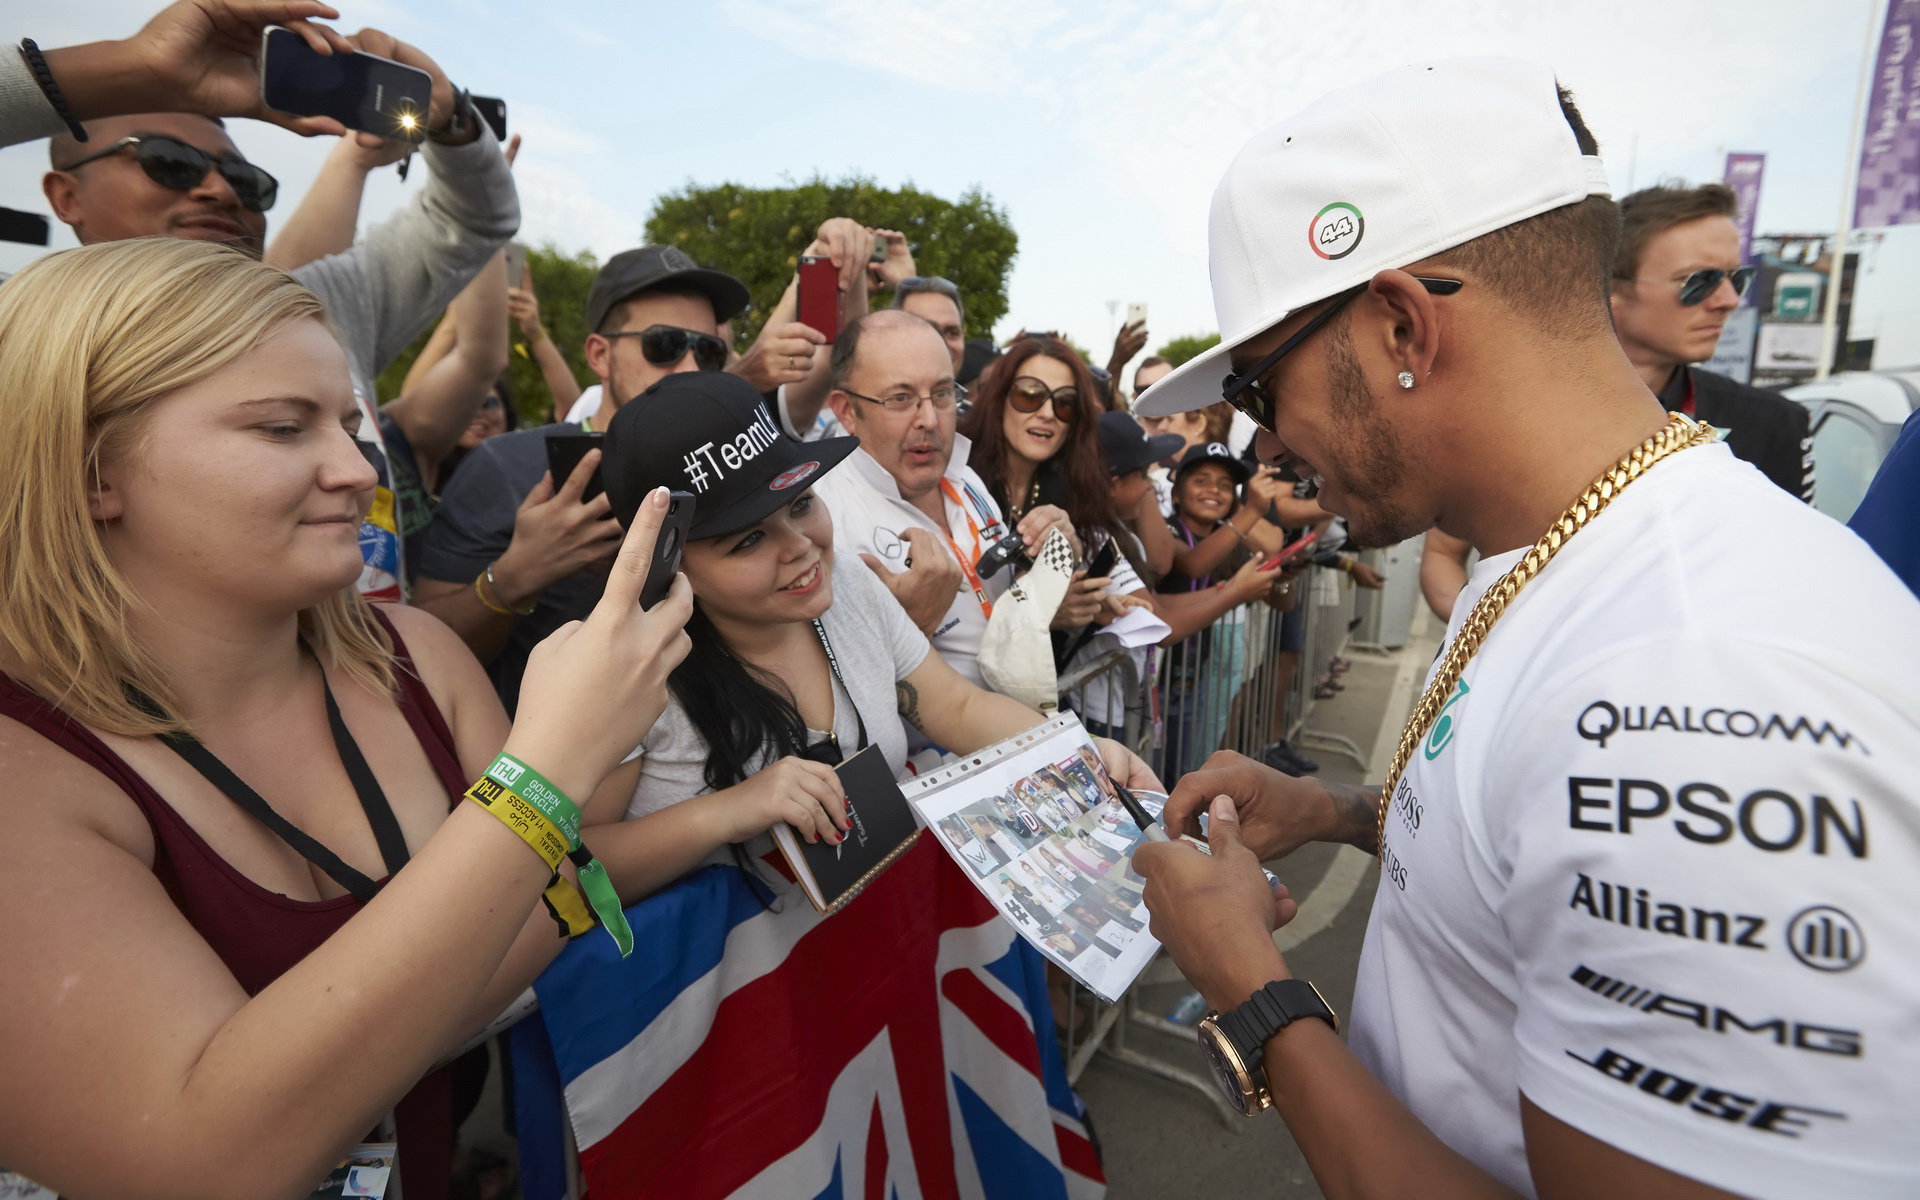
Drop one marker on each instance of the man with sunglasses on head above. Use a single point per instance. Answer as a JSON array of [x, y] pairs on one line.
[[1642, 923], [511, 554], [1677, 277], [179, 174]]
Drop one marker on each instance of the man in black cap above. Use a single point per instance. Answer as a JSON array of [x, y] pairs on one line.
[[505, 572]]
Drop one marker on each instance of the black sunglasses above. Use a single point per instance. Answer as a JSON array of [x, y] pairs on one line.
[[172, 163], [1029, 395], [1701, 284], [1244, 389], [664, 345]]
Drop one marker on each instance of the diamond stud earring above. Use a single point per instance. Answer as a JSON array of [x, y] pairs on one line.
[[1406, 379]]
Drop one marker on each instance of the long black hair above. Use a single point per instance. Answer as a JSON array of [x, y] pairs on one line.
[[738, 709]]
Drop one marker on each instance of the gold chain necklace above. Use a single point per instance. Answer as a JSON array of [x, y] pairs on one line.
[[1678, 433]]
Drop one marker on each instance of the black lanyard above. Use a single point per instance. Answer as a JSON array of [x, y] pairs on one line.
[[373, 801], [833, 664]]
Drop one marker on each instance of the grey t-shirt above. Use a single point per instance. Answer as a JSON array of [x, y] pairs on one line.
[[472, 528], [877, 645]]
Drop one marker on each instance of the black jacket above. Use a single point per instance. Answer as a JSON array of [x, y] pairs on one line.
[[1764, 428]]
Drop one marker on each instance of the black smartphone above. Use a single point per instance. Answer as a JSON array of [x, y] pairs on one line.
[[564, 452], [493, 110], [667, 548], [1104, 560], [28, 228], [360, 90]]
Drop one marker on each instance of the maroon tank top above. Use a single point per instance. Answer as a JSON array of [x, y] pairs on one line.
[[259, 933]]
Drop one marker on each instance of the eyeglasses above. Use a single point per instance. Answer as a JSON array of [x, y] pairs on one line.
[[929, 283], [1701, 284], [172, 163], [665, 345], [946, 396], [1029, 395], [1245, 389]]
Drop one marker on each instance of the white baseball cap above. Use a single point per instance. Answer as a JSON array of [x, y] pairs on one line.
[[1371, 177]]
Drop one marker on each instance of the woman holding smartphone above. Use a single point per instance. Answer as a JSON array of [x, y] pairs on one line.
[[217, 974], [798, 660]]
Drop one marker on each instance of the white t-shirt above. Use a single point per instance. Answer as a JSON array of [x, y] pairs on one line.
[[876, 645], [871, 517], [1654, 866], [825, 425]]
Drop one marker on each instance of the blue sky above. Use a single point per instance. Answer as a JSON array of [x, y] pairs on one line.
[[1101, 127]]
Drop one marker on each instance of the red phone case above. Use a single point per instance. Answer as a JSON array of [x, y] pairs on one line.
[[820, 296], [1289, 551]]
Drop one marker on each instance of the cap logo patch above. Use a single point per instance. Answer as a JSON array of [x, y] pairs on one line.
[[677, 259], [1335, 230], [788, 478], [708, 464], [1218, 450]]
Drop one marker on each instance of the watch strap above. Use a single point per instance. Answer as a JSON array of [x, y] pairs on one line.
[[1271, 1009]]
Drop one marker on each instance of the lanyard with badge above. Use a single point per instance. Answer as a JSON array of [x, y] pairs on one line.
[[831, 743], [967, 562]]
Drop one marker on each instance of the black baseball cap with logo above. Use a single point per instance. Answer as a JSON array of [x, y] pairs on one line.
[[1126, 447], [631, 272], [709, 433], [1213, 452]]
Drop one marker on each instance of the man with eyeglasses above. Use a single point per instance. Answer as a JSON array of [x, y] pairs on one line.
[[179, 174], [1641, 926], [512, 555], [1677, 278]]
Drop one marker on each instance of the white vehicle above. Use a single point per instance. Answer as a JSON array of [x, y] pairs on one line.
[[1856, 417]]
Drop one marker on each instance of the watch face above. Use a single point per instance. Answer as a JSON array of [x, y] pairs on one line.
[[1227, 1071]]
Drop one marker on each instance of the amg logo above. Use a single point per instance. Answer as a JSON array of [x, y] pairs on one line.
[[1634, 908], [1768, 1116], [1819, 1039]]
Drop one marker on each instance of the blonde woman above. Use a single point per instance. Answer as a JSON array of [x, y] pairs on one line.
[[193, 1005]]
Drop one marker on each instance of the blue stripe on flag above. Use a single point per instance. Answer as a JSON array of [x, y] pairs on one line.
[[537, 1106], [596, 1002], [1010, 1168], [835, 1189], [1024, 972]]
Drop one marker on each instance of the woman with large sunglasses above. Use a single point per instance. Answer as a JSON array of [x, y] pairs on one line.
[[799, 658], [244, 908]]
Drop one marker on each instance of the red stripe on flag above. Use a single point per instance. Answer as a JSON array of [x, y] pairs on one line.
[[1007, 1028], [757, 1086], [1077, 1155]]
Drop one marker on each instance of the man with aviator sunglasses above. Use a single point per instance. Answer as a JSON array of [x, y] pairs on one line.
[[1677, 278]]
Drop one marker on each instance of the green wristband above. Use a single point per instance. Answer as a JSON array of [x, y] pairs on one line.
[[599, 892], [538, 791]]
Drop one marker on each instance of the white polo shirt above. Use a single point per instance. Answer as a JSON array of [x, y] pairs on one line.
[[871, 517]]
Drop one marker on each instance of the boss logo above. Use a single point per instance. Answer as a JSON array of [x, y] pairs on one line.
[[1768, 1116]]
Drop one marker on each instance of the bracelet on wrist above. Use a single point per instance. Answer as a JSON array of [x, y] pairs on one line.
[[543, 816], [43, 75], [496, 603]]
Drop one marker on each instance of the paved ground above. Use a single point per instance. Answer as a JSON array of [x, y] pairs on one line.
[[1160, 1139]]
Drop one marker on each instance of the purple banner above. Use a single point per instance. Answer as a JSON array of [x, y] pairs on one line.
[[1889, 192], [1743, 176]]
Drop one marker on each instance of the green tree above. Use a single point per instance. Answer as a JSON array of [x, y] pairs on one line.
[[1180, 349], [560, 281], [757, 234]]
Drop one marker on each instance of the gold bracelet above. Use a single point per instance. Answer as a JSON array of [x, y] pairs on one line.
[[482, 582]]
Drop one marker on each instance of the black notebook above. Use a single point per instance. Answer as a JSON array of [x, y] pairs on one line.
[[883, 828]]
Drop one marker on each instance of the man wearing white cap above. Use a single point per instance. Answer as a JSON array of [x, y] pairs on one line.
[[1640, 928]]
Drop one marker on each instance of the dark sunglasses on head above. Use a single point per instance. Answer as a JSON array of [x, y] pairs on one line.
[[172, 163], [1028, 395], [1701, 284], [1245, 389], [665, 345]]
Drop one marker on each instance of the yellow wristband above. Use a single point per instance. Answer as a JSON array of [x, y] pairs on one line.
[[523, 818]]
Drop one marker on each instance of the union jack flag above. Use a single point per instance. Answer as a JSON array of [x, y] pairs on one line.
[[901, 1049]]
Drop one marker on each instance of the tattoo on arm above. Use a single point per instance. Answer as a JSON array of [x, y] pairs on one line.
[[909, 702], [1356, 812]]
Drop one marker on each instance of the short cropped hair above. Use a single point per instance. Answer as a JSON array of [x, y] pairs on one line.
[[1659, 208], [846, 347], [1555, 269]]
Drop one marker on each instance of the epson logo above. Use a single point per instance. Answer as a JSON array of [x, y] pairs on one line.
[[1765, 818], [1797, 1035], [1602, 721], [1768, 1116]]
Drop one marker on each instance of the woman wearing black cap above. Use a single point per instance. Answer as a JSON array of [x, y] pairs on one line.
[[797, 663]]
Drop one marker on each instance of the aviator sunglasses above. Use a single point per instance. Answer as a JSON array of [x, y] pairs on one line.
[[1247, 391], [664, 345], [172, 163], [1701, 284]]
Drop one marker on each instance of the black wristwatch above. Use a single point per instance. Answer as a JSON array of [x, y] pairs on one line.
[[463, 122], [1232, 1041]]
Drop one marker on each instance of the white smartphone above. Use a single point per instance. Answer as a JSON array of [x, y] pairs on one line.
[[516, 262], [1137, 313]]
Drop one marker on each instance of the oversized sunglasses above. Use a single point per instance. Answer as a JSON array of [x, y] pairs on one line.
[[1029, 395], [665, 345], [1704, 283], [1247, 391], [172, 163]]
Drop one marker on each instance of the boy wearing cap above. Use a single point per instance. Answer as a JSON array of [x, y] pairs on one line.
[[1625, 942], [504, 571]]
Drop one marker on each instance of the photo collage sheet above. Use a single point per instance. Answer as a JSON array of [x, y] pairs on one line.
[[1035, 822]]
